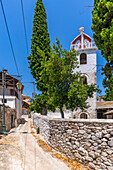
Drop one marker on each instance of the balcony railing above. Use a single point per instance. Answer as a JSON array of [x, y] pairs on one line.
[[86, 45]]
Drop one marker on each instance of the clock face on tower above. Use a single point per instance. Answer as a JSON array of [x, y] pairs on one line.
[[86, 43], [77, 44]]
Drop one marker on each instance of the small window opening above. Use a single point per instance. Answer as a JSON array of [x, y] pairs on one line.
[[11, 92], [5, 100], [83, 58]]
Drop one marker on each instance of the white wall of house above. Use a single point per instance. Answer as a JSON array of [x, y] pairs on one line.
[[12, 101]]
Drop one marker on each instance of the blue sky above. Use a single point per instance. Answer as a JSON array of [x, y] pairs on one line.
[[64, 18]]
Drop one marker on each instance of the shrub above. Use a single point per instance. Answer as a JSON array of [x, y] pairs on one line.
[[38, 130]]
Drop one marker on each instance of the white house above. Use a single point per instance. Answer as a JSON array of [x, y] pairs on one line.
[[87, 56], [13, 96]]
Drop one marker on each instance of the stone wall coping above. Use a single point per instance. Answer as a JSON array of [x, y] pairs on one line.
[[75, 120]]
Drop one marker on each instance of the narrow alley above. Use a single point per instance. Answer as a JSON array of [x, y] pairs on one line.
[[20, 151]]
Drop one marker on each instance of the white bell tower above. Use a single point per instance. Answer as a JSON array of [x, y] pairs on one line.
[[87, 50]]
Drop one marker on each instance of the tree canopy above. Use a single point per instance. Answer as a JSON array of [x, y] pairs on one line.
[[40, 103], [102, 26], [65, 88], [40, 49], [40, 43]]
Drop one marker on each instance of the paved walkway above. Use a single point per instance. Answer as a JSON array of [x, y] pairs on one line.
[[20, 151]]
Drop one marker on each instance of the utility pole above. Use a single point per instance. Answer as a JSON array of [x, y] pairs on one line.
[[33, 95], [4, 126]]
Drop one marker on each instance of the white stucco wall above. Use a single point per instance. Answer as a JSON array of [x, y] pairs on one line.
[[10, 101], [90, 67]]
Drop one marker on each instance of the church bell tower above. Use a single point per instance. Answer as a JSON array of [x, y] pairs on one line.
[[87, 55]]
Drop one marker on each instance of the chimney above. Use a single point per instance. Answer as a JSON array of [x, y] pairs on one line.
[[6, 72]]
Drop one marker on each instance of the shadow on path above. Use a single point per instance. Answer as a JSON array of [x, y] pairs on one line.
[[23, 121]]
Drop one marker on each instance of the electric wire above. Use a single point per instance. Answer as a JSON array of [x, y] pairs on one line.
[[89, 6], [9, 36], [24, 26]]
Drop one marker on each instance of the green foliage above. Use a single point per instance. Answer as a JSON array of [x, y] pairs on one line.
[[40, 102], [40, 52], [53, 70], [103, 36], [64, 86], [38, 130], [59, 74], [96, 1], [103, 27], [40, 45], [108, 82], [78, 94], [30, 116]]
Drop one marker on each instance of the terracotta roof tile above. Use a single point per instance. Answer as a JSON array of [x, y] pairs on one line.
[[104, 104]]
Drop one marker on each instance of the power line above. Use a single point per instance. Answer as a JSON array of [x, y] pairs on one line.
[[9, 36], [24, 26], [89, 6]]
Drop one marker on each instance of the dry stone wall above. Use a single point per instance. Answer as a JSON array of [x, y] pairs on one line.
[[43, 123], [88, 141]]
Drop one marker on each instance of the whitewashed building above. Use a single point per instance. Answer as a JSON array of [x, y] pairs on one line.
[[87, 58], [13, 97]]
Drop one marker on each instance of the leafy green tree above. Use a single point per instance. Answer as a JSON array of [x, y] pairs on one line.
[[65, 88], [79, 93], [40, 46], [96, 1], [103, 36], [40, 103], [108, 82]]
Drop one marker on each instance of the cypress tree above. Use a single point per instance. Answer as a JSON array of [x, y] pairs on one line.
[[103, 36], [40, 44]]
